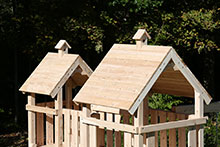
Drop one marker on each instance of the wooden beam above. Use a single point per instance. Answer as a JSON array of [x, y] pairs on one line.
[[59, 119], [41, 109], [105, 109], [172, 125], [84, 128], [109, 125], [31, 122], [138, 122]]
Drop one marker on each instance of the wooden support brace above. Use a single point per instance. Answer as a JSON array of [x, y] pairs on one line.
[[31, 122]]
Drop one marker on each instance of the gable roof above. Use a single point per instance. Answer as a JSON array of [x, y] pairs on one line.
[[52, 73], [139, 34], [127, 74]]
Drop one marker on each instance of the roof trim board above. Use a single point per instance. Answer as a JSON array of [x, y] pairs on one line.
[[183, 69]]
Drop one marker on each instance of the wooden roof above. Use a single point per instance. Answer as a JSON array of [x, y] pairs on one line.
[[52, 73], [127, 74]]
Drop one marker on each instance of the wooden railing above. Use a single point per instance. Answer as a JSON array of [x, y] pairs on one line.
[[161, 128]]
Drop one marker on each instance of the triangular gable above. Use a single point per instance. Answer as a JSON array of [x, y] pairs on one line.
[[52, 73], [172, 55]]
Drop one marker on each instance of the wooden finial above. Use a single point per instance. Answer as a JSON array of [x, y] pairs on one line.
[[62, 47], [141, 37]]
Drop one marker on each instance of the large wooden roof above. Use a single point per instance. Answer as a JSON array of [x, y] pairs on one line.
[[127, 74], [52, 73]]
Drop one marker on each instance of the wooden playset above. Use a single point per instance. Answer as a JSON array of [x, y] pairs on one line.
[[111, 108]]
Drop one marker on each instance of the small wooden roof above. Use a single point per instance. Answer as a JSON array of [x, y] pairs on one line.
[[52, 73], [127, 74]]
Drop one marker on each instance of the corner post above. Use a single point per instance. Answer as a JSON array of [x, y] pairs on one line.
[[59, 119], [138, 121], [199, 112], [31, 122]]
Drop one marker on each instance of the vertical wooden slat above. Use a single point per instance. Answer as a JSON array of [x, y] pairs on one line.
[[84, 129], [145, 118], [75, 129], [172, 132], [109, 132], [192, 137], [117, 132], [31, 122], [163, 134], [93, 136], [154, 120], [127, 136], [59, 119], [68, 94], [49, 126], [138, 121], [101, 132], [40, 128], [67, 137], [181, 132]]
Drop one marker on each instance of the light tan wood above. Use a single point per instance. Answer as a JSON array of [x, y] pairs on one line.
[[117, 132], [52, 73], [150, 142], [172, 132], [163, 133], [181, 132], [40, 128], [172, 125], [154, 120], [109, 125], [192, 139], [93, 136], [59, 120], [49, 129], [127, 136], [67, 126], [31, 122], [101, 132], [105, 109], [41, 109], [199, 112], [138, 122], [68, 93], [84, 128], [109, 131], [75, 129]]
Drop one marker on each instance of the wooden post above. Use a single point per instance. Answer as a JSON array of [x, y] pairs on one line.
[[84, 129], [192, 137], [154, 120], [199, 112], [59, 119], [68, 93], [109, 132], [93, 136], [31, 123], [172, 132], [117, 132], [181, 132], [101, 132], [163, 133], [138, 121], [49, 126], [127, 136]]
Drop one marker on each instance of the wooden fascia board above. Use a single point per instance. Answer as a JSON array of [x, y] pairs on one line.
[[85, 68], [69, 72], [190, 77], [150, 84], [105, 109]]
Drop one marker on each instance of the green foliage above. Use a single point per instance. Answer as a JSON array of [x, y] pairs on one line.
[[163, 101]]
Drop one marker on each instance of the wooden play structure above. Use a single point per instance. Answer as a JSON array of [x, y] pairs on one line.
[[111, 109]]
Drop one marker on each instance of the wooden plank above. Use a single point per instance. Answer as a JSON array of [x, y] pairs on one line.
[[181, 132], [173, 125], [68, 93], [84, 128], [101, 132], [67, 136], [192, 139], [93, 136], [31, 122], [49, 129], [172, 132], [127, 136], [138, 122], [109, 131], [104, 109], [199, 112], [163, 133], [59, 120], [117, 132], [154, 120], [150, 142], [41, 109], [40, 128], [75, 129]]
